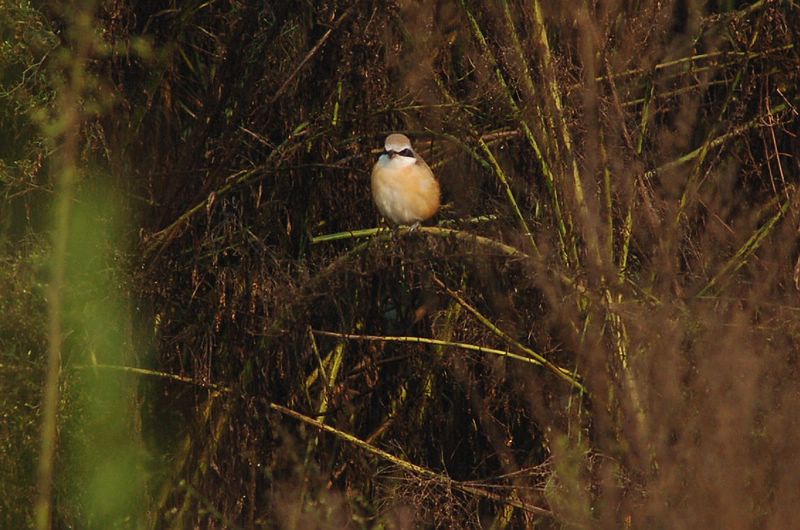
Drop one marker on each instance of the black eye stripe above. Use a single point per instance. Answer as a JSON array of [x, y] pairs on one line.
[[405, 152]]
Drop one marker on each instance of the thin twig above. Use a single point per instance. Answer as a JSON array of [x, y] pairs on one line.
[[313, 51], [563, 373], [406, 465]]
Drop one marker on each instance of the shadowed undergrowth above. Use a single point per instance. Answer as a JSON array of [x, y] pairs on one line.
[[600, 330]]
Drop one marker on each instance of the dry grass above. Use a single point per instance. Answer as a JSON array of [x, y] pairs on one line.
[[610, 329]]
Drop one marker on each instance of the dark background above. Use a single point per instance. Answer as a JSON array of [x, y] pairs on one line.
[[621, 214]]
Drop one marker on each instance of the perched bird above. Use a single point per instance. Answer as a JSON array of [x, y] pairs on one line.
[[403, 186]]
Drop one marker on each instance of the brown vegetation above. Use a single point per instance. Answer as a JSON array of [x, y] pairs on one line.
[[600, 330]]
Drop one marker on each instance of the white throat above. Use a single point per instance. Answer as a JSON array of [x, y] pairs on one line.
[[395, 162]]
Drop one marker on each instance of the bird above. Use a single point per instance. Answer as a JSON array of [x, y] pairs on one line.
[[403, 186]]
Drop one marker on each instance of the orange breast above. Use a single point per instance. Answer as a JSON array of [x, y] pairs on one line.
[[406, 195]]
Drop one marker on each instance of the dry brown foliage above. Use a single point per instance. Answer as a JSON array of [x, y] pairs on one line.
[[622, 217]]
